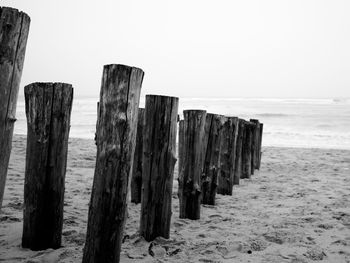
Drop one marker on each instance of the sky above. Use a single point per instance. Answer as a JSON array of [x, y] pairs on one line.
[[193, 48]]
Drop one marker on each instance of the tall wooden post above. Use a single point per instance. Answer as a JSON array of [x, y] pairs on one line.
[[247, 150], [180, 145], [136, 178], [48, 109], [159, 160], [14, 29], [214, 124], [239, 146], [116, 136], [227, 156], [190, 176], [260, 144]]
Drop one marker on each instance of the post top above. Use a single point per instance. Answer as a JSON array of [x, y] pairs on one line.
[[6, 9], [161, 96], [107, 66]]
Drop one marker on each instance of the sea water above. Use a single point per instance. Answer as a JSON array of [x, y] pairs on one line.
[[311, 123]]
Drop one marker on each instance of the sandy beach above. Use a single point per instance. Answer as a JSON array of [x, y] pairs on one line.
[[295, 209]]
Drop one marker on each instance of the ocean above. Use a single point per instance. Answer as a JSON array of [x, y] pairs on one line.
[[308, 123]]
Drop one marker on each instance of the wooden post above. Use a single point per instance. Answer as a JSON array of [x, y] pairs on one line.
[[159, 158], [213, 128], [190, 176], [255, 144], [136, 178], [180, 145], [239, 146], [14, 29], [48, 109], [247, 150], [260, 144], [227, 156], [116, 136]]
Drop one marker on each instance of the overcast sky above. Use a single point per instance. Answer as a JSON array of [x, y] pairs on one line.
[[193, 48]]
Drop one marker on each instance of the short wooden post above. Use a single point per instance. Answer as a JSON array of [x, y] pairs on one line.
[[48, 109], [213, 128], [227, 156], [247, 150], [14, 29], [116, 136], [255, 144], [136, 178], [159, 158], [260, 144], [190, 176], [239, 146]]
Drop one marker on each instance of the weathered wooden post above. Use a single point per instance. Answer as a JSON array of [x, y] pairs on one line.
[[116, 136], [239, 146], [14, 29], [48, 109], [260, 144], [227, 156], [213, 128], [159, 158], [136, 178], [180, 146], [190, 176], [255, 144], [247, 150]]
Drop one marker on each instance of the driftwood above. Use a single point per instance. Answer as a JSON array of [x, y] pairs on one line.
[[115, 139], [14, 29], [48, 109], [159, 151], [227, 156], [136, 178], [190, 176], [239, 150], [213, 128]]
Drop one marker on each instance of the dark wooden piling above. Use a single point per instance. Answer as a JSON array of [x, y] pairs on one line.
[[239, 147], [180, 146], [255, 144], [116, 136], [247, 150], [136, 178], [213, 129], [48, 109], [190, 176], [14, 29], [159, 158], [260, 144], [227, 156]]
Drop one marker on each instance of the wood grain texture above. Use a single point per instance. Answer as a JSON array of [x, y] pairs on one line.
[[159, 158], [190, 176], [48, 110], [14, 29], [213, 129], [260, 144], [255, 144], [227, 156], [115, 139], [247, 150], [239, 152], [136, 178]]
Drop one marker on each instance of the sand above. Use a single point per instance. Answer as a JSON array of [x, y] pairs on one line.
[[296, 209]]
